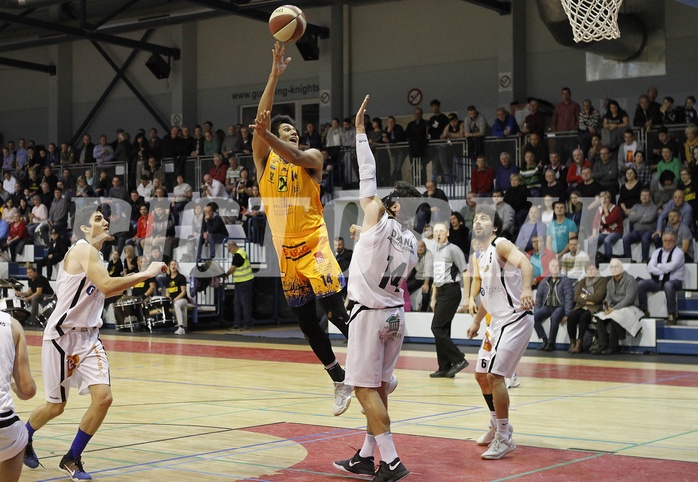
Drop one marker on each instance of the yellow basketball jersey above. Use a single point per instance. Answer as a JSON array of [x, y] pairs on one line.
[[291, 198]]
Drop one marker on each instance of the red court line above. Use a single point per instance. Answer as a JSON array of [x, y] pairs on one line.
[[677, 378], [433, 459]]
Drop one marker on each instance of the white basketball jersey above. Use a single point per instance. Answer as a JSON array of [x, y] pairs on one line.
[[79, 304], [7, 361], [384, 256], [500, 290]]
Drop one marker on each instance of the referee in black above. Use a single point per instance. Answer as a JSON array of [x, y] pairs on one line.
[[449, 265]]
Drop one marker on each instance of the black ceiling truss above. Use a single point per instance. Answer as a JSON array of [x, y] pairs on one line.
[[25, 13], [22, 64], [501, 7], [91, 35]]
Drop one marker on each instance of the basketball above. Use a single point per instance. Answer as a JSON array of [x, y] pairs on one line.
[[287, 23]]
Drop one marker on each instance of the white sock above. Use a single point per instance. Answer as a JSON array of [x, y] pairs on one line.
[[386, 447], [369, 446], [503, 427], [493, 419]]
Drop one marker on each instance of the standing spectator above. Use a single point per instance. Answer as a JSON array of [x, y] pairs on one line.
[[57, 247], [458, 234], [615, 121], [449, 266], [416, 133], [620, 313], [87, 151], [66, 156], [505, 124], [243, 277], [176, 290], [642, 218], [124, 149], [566, 113], [103, 152], [554, 300], [232, 144], [668, 111], [475, 130], [667, 270], [589, 125], [588, 297], [211, 144], [688, 114], [535, 121]]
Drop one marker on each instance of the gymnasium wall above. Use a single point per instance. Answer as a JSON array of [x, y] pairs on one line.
[[446, 48]]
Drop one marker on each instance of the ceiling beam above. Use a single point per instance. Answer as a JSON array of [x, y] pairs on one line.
[[22, 64], [502, 8], [96, 36]]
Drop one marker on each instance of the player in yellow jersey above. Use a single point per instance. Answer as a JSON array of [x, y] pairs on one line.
[[289, 182]]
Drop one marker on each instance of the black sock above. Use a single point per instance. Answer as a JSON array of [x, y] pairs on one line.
[[489, 400], [336, 372]]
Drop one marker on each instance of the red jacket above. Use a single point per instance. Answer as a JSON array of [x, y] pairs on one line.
[[613, 223], [574, 177], [482, 182]]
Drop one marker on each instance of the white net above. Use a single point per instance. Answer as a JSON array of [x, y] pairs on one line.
[[593, 20]]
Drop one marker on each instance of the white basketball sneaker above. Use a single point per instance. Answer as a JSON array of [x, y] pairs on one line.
[[512, 382], [499, 447], [487, 437], [342, 398]]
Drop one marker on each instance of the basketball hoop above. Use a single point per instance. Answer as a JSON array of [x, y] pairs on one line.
[[593, 20]]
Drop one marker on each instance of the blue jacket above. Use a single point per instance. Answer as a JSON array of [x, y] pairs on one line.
[[565, 292]]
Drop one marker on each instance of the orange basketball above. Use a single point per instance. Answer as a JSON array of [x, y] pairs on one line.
[[287, 23]]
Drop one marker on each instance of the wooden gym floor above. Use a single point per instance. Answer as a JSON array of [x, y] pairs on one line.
[[214, 406]]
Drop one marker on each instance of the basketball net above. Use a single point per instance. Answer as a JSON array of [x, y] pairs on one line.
[[593, 20]]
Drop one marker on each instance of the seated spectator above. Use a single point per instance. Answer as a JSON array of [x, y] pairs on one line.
[[606, 172], [607, 227], [502, 177], [17, 237], [684, 238], [530, 229], [667, 270], [594, 152], [256, 217], [669, 163], [574, 171], [130, 261], [532, 173], [589, 187], [144, 229], [38, 215], [176, 290], [620, 315], [458, 234], [552, 187], [558, 234], [343, 255], [691, 142], [540, 258], [56, 250], [505, 212], [629, 191], [38, 293], [588, 297], [626, 151], [678, 202], [668, 111], [219, 171], [690, 190], [574, 261], [505, 124], [213, 230], [664, 139], [212, 188], [8, 160], [548, 212], [83, 189], [554, 300], [145, 187], [646, 114], [57, 215], [424, 211], [664, 192], [558, 168], [154, 171], [482, 178], [4, 232], [517, 197], [420, 280], [468, 211], [182, 195], [642, 169], [232, 175], [643, 219]]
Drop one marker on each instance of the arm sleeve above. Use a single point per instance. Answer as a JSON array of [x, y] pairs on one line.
[[368, 187], [238, 260]]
